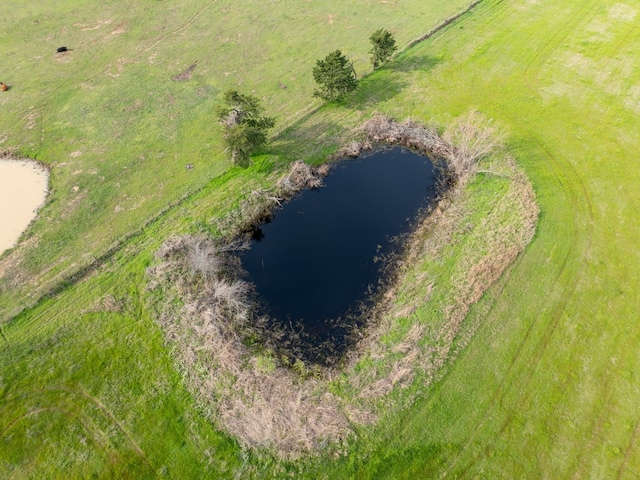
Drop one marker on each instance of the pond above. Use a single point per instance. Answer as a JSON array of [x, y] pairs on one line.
[[318, 263], [23, 188]]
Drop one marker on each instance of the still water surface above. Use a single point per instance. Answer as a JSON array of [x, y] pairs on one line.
[[318, 258]]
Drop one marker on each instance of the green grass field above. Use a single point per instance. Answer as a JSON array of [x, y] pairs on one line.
[[548, 386]]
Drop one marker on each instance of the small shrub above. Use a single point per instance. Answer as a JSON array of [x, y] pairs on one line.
[[470, 138]]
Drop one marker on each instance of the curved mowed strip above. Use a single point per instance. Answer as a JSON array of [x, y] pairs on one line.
[[548, 387]]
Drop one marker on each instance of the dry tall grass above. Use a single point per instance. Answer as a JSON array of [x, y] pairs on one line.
[[247, 391], [260, 204], [468, 139]]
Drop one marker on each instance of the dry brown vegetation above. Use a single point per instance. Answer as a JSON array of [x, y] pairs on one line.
[[260, 204], [268, 400], [466, 141], [207, 317]]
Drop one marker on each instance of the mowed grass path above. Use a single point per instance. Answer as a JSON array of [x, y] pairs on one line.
[[548, 388]]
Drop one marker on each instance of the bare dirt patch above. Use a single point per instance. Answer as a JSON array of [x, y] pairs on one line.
[[632, 99], [23, 188], [187, 74], [621, 11], [96, 26]]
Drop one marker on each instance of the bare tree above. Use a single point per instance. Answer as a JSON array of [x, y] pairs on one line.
[[469, 139]]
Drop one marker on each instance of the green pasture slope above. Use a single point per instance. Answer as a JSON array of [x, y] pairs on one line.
[[549, 386], [117, 128]]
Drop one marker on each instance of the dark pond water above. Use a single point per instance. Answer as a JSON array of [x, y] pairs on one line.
[[318, 260]]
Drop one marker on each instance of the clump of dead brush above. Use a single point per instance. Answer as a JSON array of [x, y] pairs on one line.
[[464, 143], [468, 140], [208, 276], [208, 317], [260, 204]]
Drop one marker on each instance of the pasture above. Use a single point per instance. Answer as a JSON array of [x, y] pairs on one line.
[[547, 387]]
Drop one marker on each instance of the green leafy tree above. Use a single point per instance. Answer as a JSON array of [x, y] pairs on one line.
[[335, 76], [245, 129], [383, 46]]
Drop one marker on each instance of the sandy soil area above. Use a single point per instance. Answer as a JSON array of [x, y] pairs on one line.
[[23, 188]]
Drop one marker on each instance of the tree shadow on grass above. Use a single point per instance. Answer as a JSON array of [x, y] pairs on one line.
[[313, 137], [411, 63], [307, 138], [378, 87], [388, 81]]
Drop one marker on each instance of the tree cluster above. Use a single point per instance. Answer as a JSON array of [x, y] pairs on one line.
[[245, 128], [335, 74]]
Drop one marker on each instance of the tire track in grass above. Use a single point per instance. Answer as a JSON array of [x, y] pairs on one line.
[[631, 446], [572, 184], [631, 35], [533, 359], [633, 440], [161, 39], [119, 424], [567, 175], [599, 417], [30, 413], [541, 54], [138, 236], [87, 423], [92, 281], [75, 411]]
